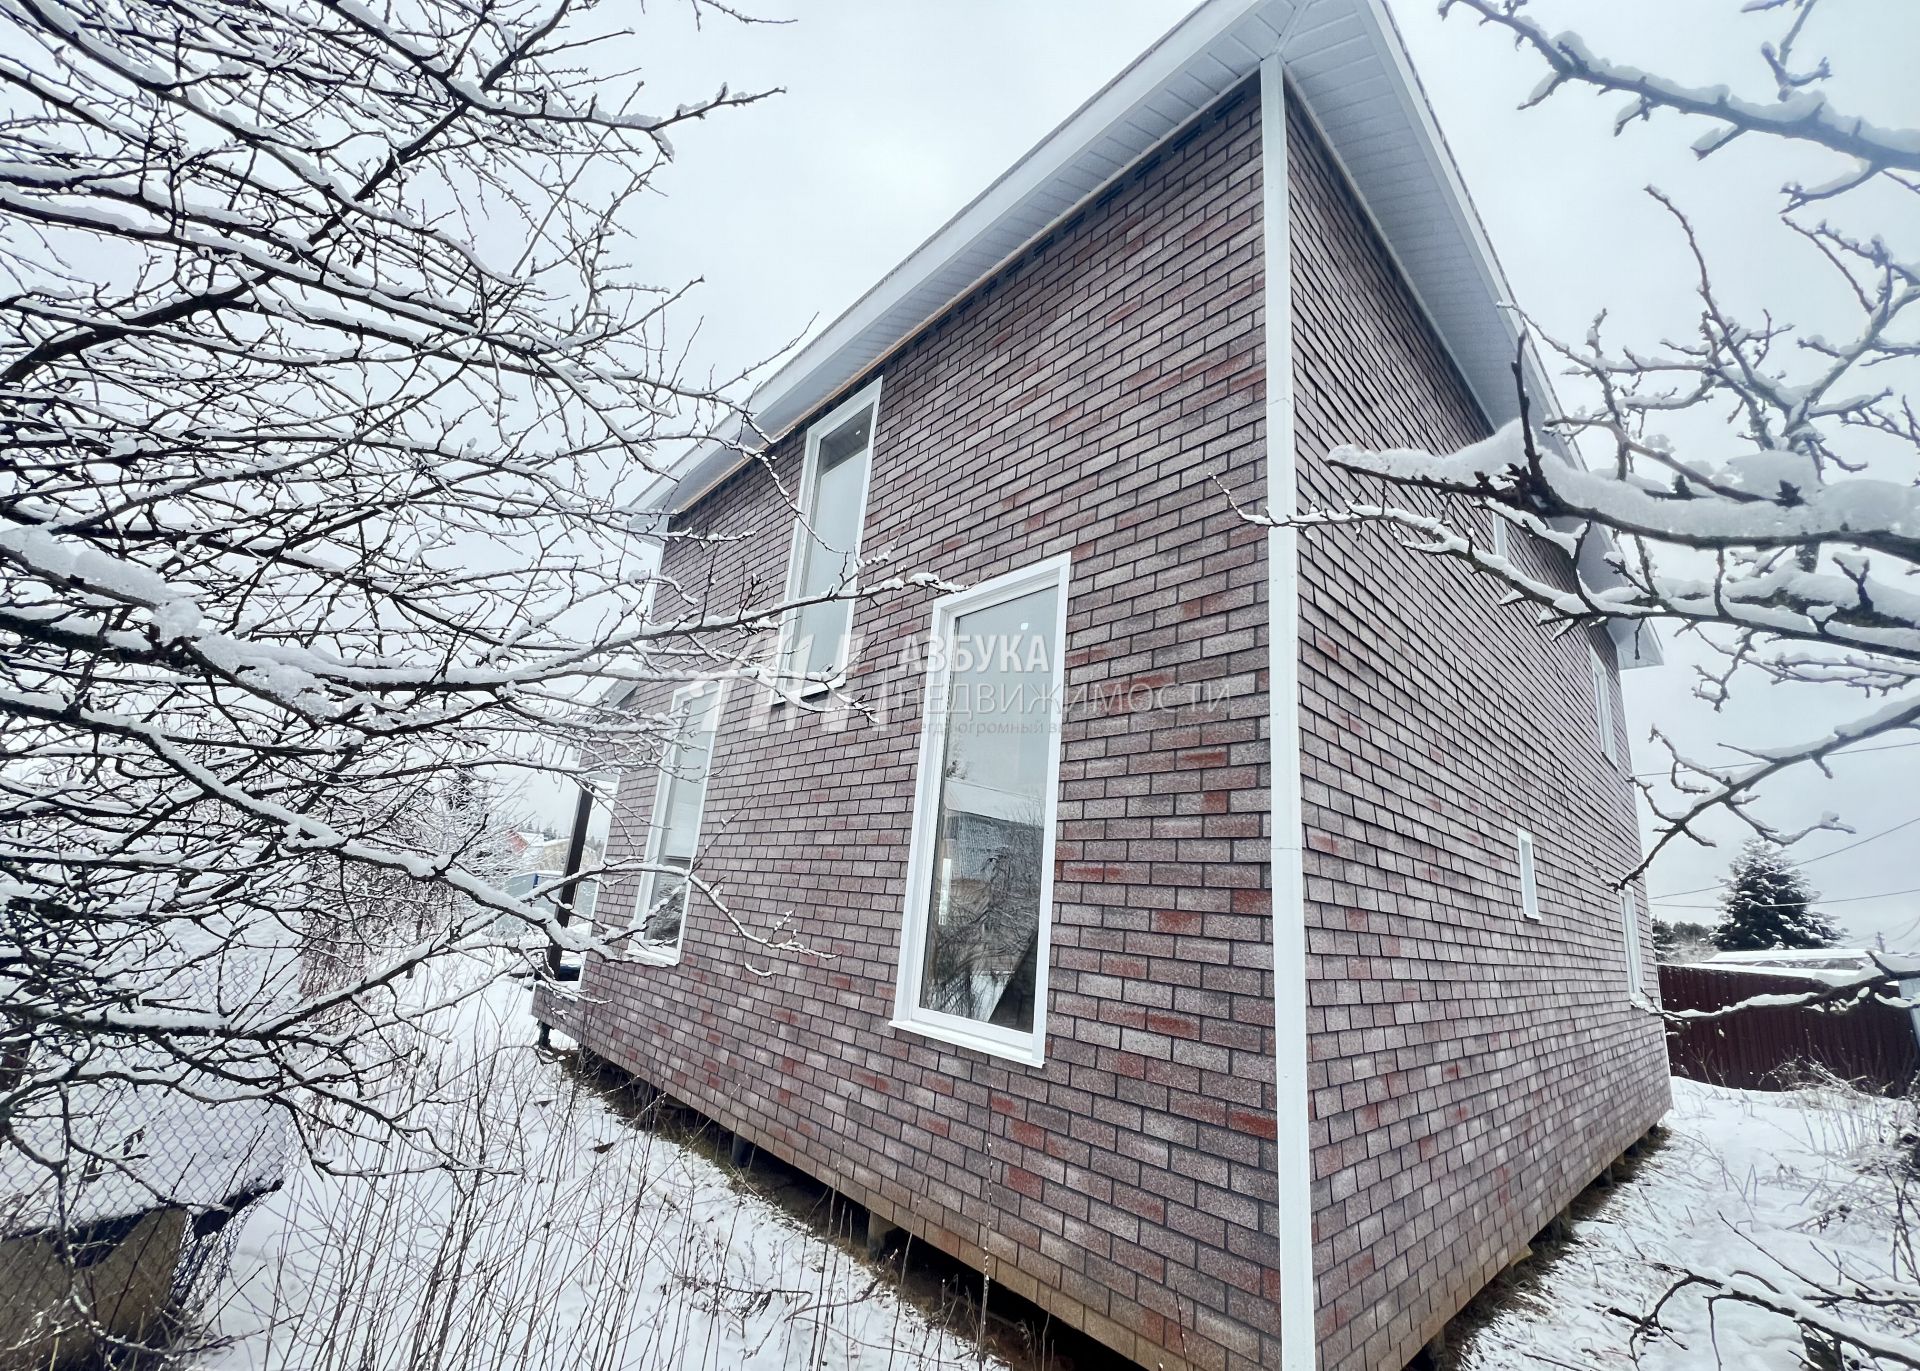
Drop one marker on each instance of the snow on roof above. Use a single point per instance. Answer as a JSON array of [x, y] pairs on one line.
[[107, 1151], [1828, 975], [1833, 965], [1345, 63]]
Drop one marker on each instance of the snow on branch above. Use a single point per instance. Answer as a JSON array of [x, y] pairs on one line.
[[1797, 109], [332, 382], [1819, 1309], [1882, 988], [1788, 537]]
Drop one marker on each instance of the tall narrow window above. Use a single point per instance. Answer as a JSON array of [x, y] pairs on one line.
[[586, 846], [973, 960], [1529, 889], [1502, 538], [826, 542], [679, 797], [1603, 703], [1630, 932]]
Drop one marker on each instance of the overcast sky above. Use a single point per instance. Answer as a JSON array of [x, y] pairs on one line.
[[896, 113]]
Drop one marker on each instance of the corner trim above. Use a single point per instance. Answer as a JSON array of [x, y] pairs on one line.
[[1299, 1338]]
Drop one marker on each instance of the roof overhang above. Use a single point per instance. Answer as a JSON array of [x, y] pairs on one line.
[[1349, 68]]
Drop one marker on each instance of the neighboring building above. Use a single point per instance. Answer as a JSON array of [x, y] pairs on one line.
[[539, 863], [1040, 1030], [1773, 1039], [114, 1198]]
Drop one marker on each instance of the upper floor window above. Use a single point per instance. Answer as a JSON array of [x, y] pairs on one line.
[[1630, 935], [1529, 885], [815, 638], [973, 957], [1603, 703], [679, 800]]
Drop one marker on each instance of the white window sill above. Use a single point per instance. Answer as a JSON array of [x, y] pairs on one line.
[[1027, 1050], [786, 692], [654, 956]]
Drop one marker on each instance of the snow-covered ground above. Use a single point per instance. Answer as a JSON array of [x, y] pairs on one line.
[[1788, 1187], [585, 1241], [582, 1241]]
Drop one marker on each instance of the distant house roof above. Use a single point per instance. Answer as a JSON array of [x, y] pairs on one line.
[[110, 1150], [1345, 61], [1836, 965]]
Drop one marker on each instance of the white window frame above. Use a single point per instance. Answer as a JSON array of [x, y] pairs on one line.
[[657, 953], [1529, 881], [1630, 940], [1502, 537], [788, 683], [1029, 1048], [1603, 703]]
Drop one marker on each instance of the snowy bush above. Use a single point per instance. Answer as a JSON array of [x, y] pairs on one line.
[[330, 381], [575, 1238]]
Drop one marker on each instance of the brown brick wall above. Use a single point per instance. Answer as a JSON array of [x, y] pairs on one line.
[[1470, 1070], [1085, 402]]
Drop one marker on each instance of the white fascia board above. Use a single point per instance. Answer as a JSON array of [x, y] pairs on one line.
[[1351, 69]]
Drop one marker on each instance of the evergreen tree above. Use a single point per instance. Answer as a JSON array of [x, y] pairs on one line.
[[1681, 941], [1765, 905]]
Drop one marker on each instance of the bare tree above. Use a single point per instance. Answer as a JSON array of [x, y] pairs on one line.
[[1790, 542], [329, 387]]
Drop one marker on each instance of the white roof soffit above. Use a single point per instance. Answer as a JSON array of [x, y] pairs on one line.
[[1348, 65]]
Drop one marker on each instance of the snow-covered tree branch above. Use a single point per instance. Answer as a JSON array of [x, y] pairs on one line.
[[1788, 537], [330, 378], [1797, 107]]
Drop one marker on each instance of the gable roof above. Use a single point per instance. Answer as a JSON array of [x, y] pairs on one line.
[[1347, 64]]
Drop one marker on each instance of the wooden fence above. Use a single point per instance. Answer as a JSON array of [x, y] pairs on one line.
[[1872, 1045]]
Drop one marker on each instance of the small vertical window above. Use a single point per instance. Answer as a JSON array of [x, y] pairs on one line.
[[1603, 703], [973, 962], [1529, 890], [1502, 538], [673, 838], [826, 543], [1630, 934]]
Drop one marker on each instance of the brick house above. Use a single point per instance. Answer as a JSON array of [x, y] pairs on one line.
[[1231, 965]]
